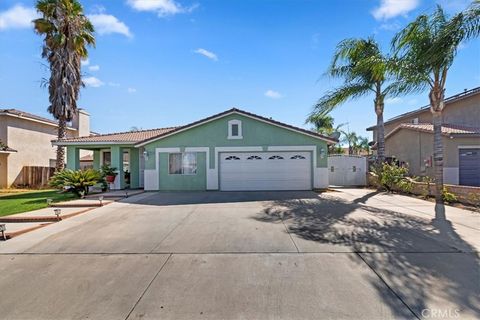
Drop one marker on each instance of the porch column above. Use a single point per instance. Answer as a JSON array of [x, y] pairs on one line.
[[73, 158], [117, 162], [96, 159], [134, 168]]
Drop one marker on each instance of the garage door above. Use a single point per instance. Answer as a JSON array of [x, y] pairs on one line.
[[265, 171], [469, 167]]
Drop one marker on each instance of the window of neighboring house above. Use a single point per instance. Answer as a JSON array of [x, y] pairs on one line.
[[182, 163], [107, 158], [235, 129]]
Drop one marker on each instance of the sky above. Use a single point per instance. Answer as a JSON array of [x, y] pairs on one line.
[[160, 63]]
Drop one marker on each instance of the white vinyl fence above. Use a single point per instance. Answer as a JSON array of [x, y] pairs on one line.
[[345, 170]]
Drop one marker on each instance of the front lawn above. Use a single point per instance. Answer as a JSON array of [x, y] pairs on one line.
[[30, 200]]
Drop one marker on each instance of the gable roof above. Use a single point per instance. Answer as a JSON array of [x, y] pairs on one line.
[[241, 112], [29, 116], [454, 98], [129, 137], [143, 137], [447, 129]]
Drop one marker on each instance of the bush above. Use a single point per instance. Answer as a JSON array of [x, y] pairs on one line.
[[393, 177], [448, 196], [76, 181]]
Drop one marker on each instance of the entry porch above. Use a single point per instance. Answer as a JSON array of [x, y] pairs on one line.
[[128, 161]]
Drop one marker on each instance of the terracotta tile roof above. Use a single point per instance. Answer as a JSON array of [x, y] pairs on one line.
[[448, 100], [24, 114], [249, 114], [145, 136], [127, 137], [447, 129]]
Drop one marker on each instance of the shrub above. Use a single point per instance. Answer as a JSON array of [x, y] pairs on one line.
[[76, 181], [448, 196], [106, 170], [393, 177]]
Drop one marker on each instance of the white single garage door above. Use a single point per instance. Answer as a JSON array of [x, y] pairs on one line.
[[265, 171]]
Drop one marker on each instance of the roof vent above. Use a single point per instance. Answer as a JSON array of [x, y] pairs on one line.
[[415, 121]]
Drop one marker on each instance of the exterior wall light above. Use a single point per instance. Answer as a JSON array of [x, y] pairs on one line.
[[145, 154], [322, 153], [57, 213]]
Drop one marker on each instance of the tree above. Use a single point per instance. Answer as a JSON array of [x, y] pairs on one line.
[[427, 48], [365, 70], [325, 124], [351, 139], [67, 33]]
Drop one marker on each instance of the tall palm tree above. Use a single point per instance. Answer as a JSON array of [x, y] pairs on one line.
[[67, 33], [351, 139], [365, 70], [427, 48]]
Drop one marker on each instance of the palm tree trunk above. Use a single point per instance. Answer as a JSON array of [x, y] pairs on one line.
[[62, 127], [438, 156], [380, 138]]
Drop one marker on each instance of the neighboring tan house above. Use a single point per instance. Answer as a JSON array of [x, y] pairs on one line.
[[232, 150], [29, 139], [409, 138]]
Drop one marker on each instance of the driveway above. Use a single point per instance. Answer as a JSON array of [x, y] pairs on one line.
[[348, 254]]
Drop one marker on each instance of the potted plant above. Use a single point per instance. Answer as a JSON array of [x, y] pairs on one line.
[[109, 173]]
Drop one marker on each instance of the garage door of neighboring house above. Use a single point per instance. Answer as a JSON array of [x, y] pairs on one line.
[[469, 167], [344, 170], [265, 171]]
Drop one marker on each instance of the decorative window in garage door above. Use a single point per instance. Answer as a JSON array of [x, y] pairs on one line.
[[276, 158], [254, 158], [232, 158], [297, 157]]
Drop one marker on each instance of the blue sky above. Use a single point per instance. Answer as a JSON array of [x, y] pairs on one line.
[[163, 63]]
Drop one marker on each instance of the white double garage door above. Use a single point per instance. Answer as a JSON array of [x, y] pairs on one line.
[[251, 171]]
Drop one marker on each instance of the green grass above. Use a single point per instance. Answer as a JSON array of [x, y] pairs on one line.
[[32, 200]]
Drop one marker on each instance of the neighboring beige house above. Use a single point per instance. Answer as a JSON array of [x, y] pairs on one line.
[[29, 140], [409, 138]]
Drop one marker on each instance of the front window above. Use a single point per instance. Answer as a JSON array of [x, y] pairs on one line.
[[182, 163]]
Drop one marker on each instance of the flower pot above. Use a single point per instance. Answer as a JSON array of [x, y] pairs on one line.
[[110, 179]]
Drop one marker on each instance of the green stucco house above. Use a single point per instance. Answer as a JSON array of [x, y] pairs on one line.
[[231, 151]]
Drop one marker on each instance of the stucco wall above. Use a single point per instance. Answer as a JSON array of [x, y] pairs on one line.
[[32, 140], [465, 111], [214, 134], [414, 147]]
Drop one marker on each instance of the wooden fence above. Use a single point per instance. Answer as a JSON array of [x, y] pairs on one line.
[[34, 177]]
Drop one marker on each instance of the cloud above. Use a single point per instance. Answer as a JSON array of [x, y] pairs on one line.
[[206, 53], [131, 90], [94, 68], [161, 7], [93, 82], [85, 62], [114, 84], [395, 100], [273, 94], [392, 8], [108, 24], [17, 17]]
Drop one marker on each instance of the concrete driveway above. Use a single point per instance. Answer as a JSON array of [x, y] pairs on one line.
[[349, 254]]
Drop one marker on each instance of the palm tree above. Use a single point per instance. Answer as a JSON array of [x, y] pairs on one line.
[[323, 123], [67, 33], [365, 70], [427, 48], [351, 139]]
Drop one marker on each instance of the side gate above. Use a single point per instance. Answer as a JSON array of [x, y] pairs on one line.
[[347, 170]]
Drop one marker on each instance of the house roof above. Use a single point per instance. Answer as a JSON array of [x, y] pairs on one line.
[[88, 157], [447, 129], [143, 137], [117, 137], [454, 98], [29, 116], [7, 150], [241, 112]]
